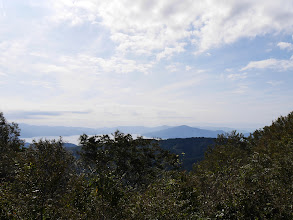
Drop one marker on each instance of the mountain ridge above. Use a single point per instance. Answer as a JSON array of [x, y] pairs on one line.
[[182, 131], [29, 131]]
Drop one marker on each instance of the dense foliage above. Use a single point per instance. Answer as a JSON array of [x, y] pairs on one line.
[[124, 178], [190, 150]]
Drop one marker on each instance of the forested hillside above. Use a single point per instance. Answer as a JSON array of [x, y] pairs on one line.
[[126, 178], [190, 150]]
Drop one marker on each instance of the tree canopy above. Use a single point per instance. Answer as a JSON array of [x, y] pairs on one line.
[[119, 177], [136, 162]]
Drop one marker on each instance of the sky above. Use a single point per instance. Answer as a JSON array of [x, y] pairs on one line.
[[100, 63]]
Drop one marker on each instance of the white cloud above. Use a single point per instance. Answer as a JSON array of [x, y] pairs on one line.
[[172, 67], [262, 64], [275, 83], [62, 78], [147, 27], [2, 9], [45, 84], [285, 45], [96, 54], [180, 85], [85, 72], [201, 70], [268, 50], [236, 76], [281, 65], [74, 12], [241, 89], [168, 52], [101, 65], [39, 54], [187, 68]]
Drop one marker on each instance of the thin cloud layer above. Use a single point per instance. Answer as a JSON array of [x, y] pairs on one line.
[[281, 65]]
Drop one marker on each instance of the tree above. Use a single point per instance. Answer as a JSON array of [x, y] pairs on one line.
[[10, 145], [174, 196], [245, 178], [137, 162], [120, 165], [44, 178]]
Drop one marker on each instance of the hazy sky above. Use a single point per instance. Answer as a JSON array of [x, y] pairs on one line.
[[101, 63]]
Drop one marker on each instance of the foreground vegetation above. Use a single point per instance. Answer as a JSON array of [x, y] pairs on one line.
[[123, 178]]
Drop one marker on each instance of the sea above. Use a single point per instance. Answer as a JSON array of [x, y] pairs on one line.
[[73, 139]]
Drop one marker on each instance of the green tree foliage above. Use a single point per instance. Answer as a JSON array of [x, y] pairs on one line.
[[120, 165], [124, 178], [245, 178], [46, 173], [190, 150], [136, 162], [43, 178], [174, 196], [10, 145]]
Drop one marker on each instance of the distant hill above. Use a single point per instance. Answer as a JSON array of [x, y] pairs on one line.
[[183, 132], [29, 131], [190, 150], [139, 129], [226, 129], [164, 132], [74, 149]]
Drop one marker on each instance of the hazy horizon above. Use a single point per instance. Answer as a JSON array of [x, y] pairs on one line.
[[208, 126]]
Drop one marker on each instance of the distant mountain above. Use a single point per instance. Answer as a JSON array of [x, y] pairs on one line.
[[29, 131], [226, 129], [139, 129], [183, 132]]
